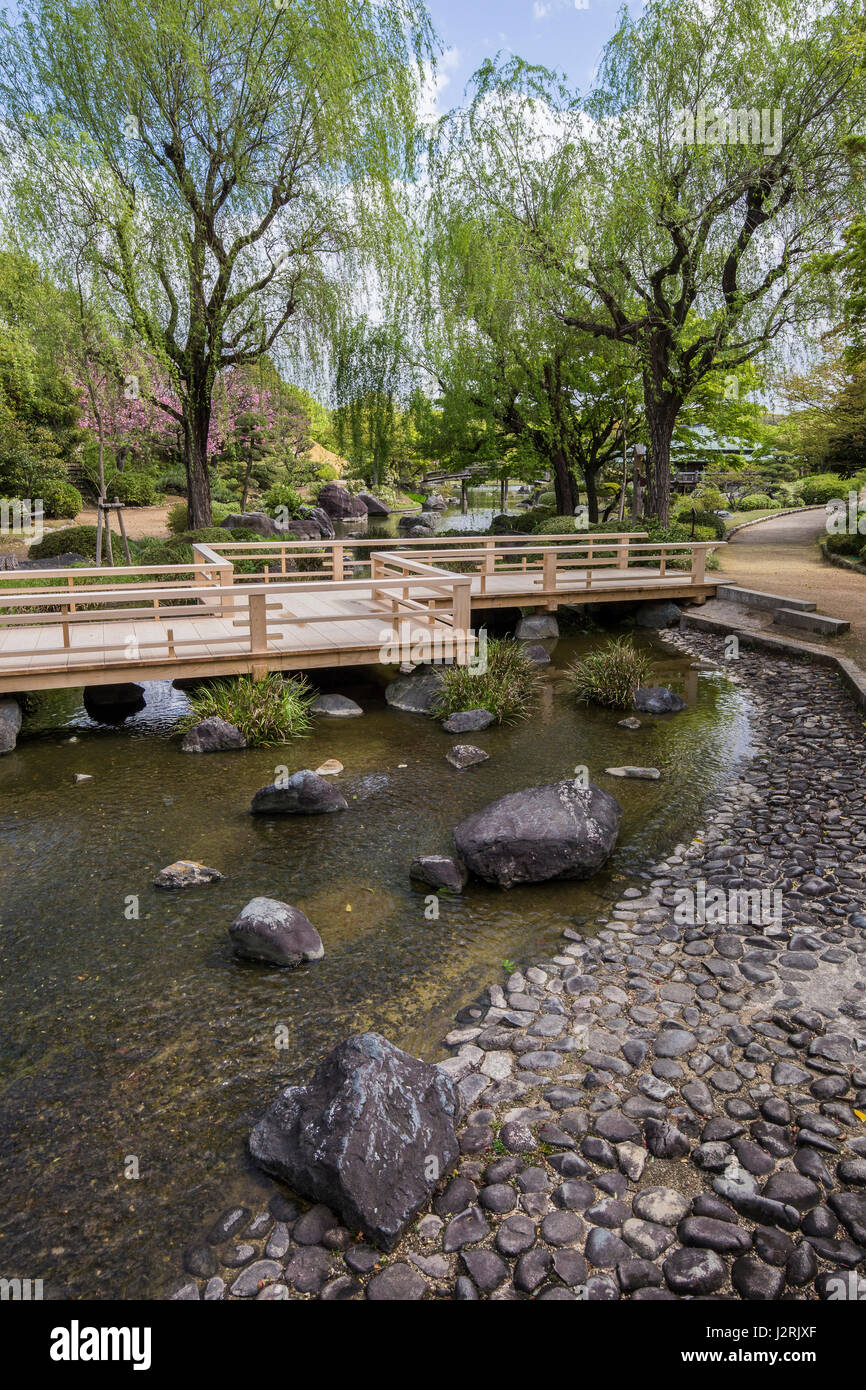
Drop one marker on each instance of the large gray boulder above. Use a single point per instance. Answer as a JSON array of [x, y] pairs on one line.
[[252, 521], [425, 520], [305, 793], [212, 735], [276, 933], [416, 693], [10, 724], [466, 721], [339, 503], [657, 615], [322, 520], [537, 627], [558, 830], [336, 706], [370, 1135], [375, 506], [435, 503], [657, 699]]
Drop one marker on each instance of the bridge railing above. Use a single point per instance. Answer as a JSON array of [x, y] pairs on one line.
[[147, 620], [482, 556]]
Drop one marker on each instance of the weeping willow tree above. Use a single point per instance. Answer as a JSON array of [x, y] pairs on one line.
[[676, 210], [373, 383], [222, 167]]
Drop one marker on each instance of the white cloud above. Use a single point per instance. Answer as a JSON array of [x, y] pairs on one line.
[[435, 82]]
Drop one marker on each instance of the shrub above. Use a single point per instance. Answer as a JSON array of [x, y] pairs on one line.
[[177, 519], [754, 502], [705, 522], [822, 487], [59, 498], [508, 688], [610, 675], [80, 539], [135, 489], [283, 495], [844, 544], [173, 480], [328, 473], [709, 499], [269, 711]]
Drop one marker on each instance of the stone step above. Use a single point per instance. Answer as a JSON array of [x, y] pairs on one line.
[[754, 598], [811, 622]]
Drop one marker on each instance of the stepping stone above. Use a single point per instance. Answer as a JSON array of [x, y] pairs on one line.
[[630, 723], [329, 768], [186, 873], [465, 755], [645, 774], [466, 720]]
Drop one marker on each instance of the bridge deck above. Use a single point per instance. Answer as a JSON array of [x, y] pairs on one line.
[[99, 627]]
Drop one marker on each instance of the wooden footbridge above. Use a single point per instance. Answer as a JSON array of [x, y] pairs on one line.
[[252, 607]]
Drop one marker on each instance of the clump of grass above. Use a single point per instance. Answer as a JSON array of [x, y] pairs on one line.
[[610, 675], [268, 711], [508, 688]]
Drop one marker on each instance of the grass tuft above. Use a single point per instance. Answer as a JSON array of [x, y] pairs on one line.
[[268, 711], [610, 675], [508, 688]]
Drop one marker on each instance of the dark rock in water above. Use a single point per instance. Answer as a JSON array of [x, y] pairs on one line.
[[374, 505], [252, 521], [305, 793], [537, 654], [467, 721], [656, 615], [425, 521], [417, 693], [465, 755], [275, 932], [128, 694], [435, 504], [629, 723], [212, 735], [558, 830], [10, 724], [337, 706], [338, 502], [371, 1135], [537, 626], [657, 699], [439, 871], [111, 704], [186, 873]]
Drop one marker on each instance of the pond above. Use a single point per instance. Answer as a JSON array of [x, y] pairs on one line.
[[141, 1044], [483, 505]]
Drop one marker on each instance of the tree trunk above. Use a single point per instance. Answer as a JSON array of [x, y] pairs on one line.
[[564, 484], [589, 478], [661, 419], [199, 513]]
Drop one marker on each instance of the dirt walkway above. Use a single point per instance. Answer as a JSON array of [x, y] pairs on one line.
[[781, 556], [139, 522]]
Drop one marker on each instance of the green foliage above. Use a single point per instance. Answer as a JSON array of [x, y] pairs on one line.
[[610, 675], [177, 517], [508, 688], [705, 522], [283, 495], [823, 487], [709, 499], [844, 544], [754, 502], [80, 539], [134, 489], [60, 498], [268, 711]]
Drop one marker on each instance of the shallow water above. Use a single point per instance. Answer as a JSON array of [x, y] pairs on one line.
[[145, 1038]]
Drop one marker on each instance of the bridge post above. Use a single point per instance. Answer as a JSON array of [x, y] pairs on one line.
[[337, 561], [699, 563], [464, 496], [258, 631], [548, 578]]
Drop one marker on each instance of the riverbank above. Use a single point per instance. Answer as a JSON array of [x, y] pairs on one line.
[[665, 1108]]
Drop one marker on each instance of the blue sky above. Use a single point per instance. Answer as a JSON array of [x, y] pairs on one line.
[[554, 33]]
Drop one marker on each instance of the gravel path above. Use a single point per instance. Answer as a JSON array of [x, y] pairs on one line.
[[781, 556], [672, 1107]]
